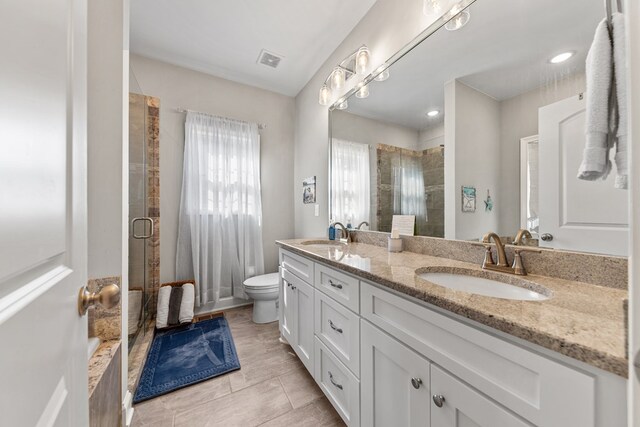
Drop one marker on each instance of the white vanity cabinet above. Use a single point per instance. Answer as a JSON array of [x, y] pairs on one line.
[[385, 359]]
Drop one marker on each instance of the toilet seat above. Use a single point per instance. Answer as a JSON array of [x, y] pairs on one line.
[[265, 281]]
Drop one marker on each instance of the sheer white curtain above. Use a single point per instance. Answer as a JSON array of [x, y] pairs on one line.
[[220, 224], [350, 186]]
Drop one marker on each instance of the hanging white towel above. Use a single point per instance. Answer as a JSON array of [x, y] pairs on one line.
[[599, 70], [620, 74]]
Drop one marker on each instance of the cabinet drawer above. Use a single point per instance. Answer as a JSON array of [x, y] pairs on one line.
[[340, 386], [535, 387], [339, 329], [300, 266], [339, 286]]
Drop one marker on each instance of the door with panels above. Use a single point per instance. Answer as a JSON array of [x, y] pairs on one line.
[[455, 404], [394, 382], [303, 341], [287, 307]]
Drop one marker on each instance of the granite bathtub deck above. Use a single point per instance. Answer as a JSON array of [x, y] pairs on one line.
[[583, 321]]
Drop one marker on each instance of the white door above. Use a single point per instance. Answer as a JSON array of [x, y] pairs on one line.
[[455, 404], [303, 296], [287, 307], [43, 243], [394, 382], [589, 216]]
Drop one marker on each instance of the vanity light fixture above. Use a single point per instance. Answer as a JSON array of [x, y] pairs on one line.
[[432, 7], [342, 104], [433, 113], [561, 57], [357, 62], [383, 74], [363, 92]]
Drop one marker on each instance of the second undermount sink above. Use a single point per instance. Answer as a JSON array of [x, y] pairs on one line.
[[484, 283], [324, 243]]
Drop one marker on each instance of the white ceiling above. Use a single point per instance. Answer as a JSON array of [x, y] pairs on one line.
[[503, 51], [225, 37]]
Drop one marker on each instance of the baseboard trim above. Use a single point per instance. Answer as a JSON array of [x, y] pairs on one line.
[[127, 409]]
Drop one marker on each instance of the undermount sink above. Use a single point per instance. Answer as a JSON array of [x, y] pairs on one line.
[[484, 283], [323, 243]]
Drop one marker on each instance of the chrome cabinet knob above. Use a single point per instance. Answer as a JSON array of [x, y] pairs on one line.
[[547, 237], [438, 399], [416, 383]]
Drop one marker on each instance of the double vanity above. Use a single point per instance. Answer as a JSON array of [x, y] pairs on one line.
[[397, 339]]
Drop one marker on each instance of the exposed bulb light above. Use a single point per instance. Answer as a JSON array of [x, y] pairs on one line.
[[343, 104], [384, 75], [433, 113], [458, 21], [323, 97], [337, 78], [362, 60], [432, 7], [561, 57], [363, 92]]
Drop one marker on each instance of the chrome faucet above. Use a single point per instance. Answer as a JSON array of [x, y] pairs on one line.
[[503, 266], [346, 235], [361, 224]]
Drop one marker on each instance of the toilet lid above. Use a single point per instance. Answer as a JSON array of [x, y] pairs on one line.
[[264, 281]]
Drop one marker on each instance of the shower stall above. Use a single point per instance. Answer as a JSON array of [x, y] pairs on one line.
[[144, 216]]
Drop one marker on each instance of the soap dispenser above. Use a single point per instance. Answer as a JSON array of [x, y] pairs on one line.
[[332, 231]]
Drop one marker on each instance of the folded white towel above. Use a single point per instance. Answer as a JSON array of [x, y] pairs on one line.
[[164, 293], [187, 303], [595, 160], [620, 72]]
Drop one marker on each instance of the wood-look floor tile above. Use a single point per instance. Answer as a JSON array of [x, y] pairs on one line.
[[318, 413], [266, 366], [300, 387], [249, 407], [152, 413], [189, 397]]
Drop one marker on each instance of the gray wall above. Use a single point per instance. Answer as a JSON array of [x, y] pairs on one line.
[[384, 29], [180, 87]]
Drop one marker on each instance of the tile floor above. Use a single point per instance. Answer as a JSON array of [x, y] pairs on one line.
[[273, 388]]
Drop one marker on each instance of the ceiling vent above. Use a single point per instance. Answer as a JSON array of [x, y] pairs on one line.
[[269, 59]]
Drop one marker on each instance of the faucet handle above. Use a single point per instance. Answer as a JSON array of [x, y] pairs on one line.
[[488, 257]]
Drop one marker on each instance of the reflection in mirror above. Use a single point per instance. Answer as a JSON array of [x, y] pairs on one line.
[[481, 127]]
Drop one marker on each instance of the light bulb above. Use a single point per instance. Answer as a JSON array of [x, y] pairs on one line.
[[337, 78], [343, 104], [561, 57], [384, 75], [431, 7], [323, 97], [362, 60], [458, 21], [433, 113], [363, 92]]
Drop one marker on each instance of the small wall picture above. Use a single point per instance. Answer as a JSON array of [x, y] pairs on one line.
[[309, 190], [488, 203], [468, 199]]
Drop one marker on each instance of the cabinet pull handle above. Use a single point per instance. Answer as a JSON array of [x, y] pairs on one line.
[[416, 383], [334, 327], [438, 399], [333, 381], [293, 288], [335, 285]]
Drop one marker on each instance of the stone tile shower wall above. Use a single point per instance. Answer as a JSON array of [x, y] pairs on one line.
[[432, 162], [153, 196]]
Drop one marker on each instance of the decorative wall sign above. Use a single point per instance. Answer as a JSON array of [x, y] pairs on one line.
[[309, 190], [468, 199], [488, 203]]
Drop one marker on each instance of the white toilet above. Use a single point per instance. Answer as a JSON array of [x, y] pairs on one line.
[[264, 292]]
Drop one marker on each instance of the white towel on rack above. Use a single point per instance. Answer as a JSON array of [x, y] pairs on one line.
[[620, 74], [599, 70]]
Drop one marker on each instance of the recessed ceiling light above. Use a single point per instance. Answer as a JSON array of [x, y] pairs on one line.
[[433, 113], [561, 57]]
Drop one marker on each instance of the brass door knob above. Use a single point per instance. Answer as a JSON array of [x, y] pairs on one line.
[[108, 296]]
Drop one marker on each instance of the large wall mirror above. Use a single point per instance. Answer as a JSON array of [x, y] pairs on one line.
[[481, 127]]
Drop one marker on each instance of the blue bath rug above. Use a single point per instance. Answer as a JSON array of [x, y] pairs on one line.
[[187, 355]]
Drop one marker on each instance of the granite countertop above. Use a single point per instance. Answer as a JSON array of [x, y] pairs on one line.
[[580, 320], [99, 362]]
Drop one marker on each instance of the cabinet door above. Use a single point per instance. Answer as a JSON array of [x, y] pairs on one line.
[[463, 406], [287, 311], [303, 329], [395, 382]]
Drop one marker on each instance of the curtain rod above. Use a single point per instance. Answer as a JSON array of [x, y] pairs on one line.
[[185, 110]]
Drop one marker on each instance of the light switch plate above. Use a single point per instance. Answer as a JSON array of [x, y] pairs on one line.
[[317, 208]]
